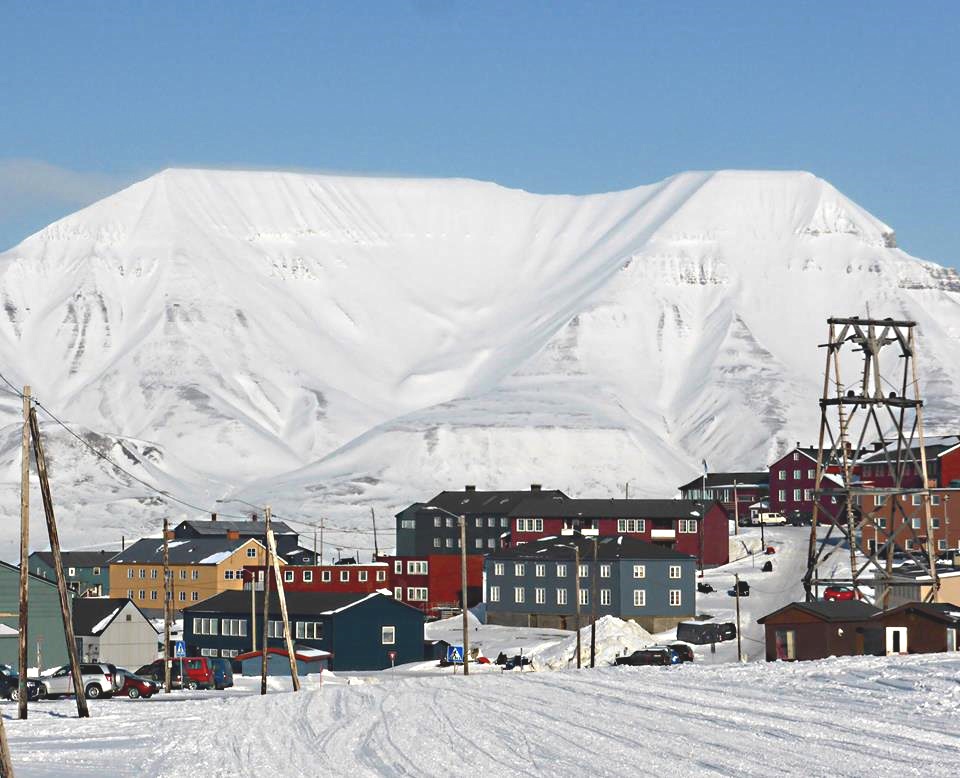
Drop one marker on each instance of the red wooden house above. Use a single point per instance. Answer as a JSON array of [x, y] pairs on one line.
[[675, 524], [793, 479], [432, 583]]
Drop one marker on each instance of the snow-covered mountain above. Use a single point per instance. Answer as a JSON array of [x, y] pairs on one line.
[[328, 343]]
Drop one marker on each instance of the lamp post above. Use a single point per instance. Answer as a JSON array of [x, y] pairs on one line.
[[462, 521], [576, 585]]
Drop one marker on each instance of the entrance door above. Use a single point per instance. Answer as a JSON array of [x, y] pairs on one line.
[[951, 638], [896, 640]]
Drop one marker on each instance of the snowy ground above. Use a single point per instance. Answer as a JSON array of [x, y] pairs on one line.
[[813, 718]]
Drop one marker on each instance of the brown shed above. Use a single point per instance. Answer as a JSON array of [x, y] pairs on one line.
[[920, 628], [816, 630]]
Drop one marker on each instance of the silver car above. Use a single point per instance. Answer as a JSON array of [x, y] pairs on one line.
[[98, 681]]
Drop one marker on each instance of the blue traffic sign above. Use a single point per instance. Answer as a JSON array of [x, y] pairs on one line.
[[179, 649], [455, 655]]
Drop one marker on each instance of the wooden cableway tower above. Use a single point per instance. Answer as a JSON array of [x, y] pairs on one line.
[[872, 414]]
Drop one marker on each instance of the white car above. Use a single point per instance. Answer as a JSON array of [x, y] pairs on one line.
[[772, 518], [98, 681]]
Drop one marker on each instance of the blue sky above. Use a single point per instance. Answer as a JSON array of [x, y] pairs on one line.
[[550, 97]]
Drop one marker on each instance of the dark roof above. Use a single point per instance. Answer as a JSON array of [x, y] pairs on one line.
[[487, 503], [246, 528], [842, 610], [187, 551], [300, 556], [715, 480], [608, 547], [77, 558], [940, 611], [90, 612], [607, 509], [297, 602], [810, 451]]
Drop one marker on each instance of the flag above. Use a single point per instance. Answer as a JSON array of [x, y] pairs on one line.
[[704, 466]]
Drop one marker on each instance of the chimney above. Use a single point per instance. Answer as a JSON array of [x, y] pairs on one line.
[[233, 534], [798, 444], [253, 516], [470, 488], [535, 487], [213, 517]]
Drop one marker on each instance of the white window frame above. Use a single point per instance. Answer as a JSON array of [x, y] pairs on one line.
[[604, 596], [585, 596], [362, 576], [540, 570], [289, 576], [639, 598], [344, 576], [308, 576], [584, 570], [381, 576], [540, 595], [388, 636], [676, 571], [605, 571], [676, 598], [639, 571], [519, 595], [561, 596], [519, 569], [625, 526], [494, 594], [498, 568], [561, 570], [326, 576]]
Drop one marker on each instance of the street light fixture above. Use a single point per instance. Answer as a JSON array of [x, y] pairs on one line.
[[462, 520]]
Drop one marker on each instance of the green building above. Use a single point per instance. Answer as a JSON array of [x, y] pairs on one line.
[[45, 634], [87, 572]]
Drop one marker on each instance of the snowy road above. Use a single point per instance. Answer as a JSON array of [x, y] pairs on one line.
[[754, 720]]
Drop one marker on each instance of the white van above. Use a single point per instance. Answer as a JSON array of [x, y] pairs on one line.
[[772, 518]]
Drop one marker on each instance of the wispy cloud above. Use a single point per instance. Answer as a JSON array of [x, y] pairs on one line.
[[33, 182]]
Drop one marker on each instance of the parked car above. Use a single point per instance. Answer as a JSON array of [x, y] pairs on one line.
[[682, 651], [700, 633], [840, 593], [776, 519], [222, 673], [134, 687], [98, 681], [198, 670], [10, 685], [704, 588], [652, 655]]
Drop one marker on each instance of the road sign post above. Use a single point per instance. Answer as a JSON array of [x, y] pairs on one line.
[[180, 651], [392, 655], [455, 656]]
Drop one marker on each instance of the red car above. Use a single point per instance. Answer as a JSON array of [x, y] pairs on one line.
[[133, 686], [837, 593]]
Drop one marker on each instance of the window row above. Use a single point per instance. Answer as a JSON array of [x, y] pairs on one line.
[[154, 595], [540, 569], [450, 522], [675, 596], [154, 573], [229, 627]]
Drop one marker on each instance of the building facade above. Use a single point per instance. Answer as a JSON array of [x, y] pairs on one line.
[[535, 584], [46, 641], [673, 524], [736, 492], [114, 629], [361, 631], [816, 630], [287, 540], [200, 568], [432, 583], [433, 527], [892, 513], [793, 480], [87, 572]]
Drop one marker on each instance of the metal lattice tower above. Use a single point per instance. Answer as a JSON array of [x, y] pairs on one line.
[[878, 413]]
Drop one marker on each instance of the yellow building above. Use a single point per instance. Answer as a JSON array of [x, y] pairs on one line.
[[199, 568]]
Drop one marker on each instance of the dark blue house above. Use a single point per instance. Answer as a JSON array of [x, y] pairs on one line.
[[360, 630]]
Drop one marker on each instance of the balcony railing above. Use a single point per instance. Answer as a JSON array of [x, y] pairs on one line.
[[588, 532]]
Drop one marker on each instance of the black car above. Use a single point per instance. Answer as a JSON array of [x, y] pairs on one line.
[[516, 661], [652, 655], [10, 685]]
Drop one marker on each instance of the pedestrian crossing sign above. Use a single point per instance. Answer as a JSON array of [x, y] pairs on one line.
[[455, 655]]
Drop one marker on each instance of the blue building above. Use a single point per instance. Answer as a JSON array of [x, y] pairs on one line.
[[361, 631], [87, 572], [533, 585]]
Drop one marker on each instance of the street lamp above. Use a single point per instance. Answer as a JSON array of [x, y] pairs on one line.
[[462, 520], [576, 583]]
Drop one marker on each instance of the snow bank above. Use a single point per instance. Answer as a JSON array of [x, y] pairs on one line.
[[614, 637]]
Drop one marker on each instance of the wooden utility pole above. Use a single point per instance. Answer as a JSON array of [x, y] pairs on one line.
[[316, 559], [24, 552], [736, 589], [593, 608], [576, 583], [373, 519], [266, 607], [253, 610], [78, 689], [167, 606], [463, 595], [736, 510], [321, 541], [6, 765], [272, 545]]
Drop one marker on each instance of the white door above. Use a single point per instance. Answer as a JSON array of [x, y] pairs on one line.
[[896, 640], [951, 638]]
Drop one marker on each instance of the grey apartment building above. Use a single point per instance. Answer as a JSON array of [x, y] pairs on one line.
[[533, 585]]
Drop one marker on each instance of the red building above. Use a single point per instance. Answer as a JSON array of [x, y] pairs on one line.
[[346, 577], [943, 464], [793, 479], [432, 583], [891, 516], [948, 466], [675, 524]]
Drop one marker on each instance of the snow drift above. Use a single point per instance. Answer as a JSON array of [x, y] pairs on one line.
[[330, 343]]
